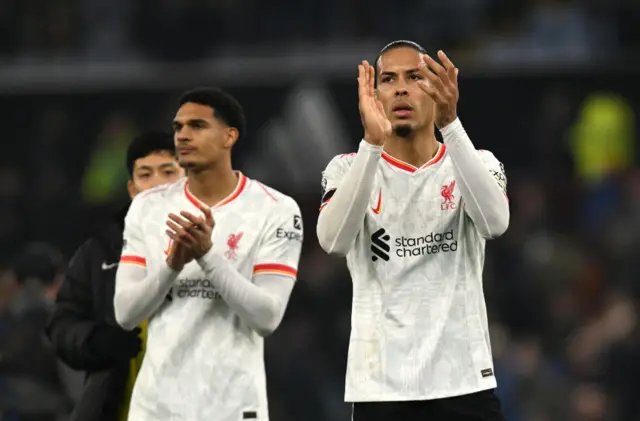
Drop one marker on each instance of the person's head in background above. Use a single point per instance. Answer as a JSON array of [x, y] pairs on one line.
[[151, 162], [39, 270]]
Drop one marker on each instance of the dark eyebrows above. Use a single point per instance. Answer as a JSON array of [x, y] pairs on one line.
[[164, 166], [408, 72], [144, 168], [176, 123], [168, 165]]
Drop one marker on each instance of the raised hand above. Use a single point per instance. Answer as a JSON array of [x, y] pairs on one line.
[[442, 87], [179, 254], [191, 231], [377, 126]]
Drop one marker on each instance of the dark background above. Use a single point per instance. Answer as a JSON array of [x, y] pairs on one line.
[[550, 87]]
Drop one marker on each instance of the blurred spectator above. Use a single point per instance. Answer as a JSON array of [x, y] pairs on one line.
[[105, 177], [603, 144], [29, 373]]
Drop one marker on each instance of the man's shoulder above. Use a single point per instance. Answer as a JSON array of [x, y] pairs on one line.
[[340, 162], [93, 249], [487, 155], [163, 192], [272, 198], [149, 199]]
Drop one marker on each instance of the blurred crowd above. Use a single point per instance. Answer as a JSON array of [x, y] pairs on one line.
[[193, 29], [562, 284]]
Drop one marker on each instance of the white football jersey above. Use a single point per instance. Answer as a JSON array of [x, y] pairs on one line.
[[419, 322], [202, 361]]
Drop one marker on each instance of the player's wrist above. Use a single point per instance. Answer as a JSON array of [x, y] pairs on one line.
[[451, 127], [372, 141], [173, 265], [207, 260], [370, 148]]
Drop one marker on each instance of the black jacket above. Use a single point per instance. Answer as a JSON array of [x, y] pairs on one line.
[[83, 307]]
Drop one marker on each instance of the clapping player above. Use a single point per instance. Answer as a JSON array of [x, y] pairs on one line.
[[412, 216], [211, 261]]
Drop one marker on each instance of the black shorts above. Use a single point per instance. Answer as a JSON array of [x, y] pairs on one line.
[[480, 406]]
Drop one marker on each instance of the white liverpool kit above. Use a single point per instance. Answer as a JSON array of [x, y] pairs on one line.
[[419, 321], [202, 361]]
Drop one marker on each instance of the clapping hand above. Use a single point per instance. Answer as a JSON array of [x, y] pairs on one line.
[[377, 126], [191, 235], [442, 87]]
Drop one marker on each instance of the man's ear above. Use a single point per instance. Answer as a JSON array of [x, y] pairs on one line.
[[232, 137]]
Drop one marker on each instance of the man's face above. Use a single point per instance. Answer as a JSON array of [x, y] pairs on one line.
[[154, 170], [201, 139], [407, 106]]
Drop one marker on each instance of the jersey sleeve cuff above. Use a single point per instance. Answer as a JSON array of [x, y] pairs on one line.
[[453, 132], [275, 269], [134, 260], [369, 148], [210, 260]]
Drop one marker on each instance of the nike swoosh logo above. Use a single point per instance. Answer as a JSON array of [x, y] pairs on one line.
[[106, 266], [376, 210]]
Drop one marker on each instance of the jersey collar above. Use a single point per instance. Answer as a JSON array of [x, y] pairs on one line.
[[242, 183], [442, 148]]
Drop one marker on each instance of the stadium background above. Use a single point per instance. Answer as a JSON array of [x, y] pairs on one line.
[[550, 86]]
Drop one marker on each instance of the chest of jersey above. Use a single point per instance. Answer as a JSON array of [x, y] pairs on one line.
[[236, 236], [413, 213]]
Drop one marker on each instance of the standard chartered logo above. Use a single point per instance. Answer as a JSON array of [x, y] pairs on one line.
[[196, 288], [432, 243]]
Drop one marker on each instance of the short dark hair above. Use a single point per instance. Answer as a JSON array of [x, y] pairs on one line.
[[392, 46], [38, 260], [225, 107], [147, 143]]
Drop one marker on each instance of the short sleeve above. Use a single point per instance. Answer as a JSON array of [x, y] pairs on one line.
[[332, 175], [496, 168], [280, 249], [133, 249]]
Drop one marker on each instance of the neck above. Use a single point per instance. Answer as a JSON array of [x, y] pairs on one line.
[[211, 185], [417, 149]]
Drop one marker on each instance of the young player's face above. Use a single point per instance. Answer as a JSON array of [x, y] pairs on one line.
[[407, 106], [154, 170], [201, 139]]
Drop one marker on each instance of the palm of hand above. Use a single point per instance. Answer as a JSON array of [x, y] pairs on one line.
[[377, 126]]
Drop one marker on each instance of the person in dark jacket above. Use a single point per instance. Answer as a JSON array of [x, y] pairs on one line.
[[82, 327]]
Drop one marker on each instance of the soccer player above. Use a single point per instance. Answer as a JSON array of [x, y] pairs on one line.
[[211, 293], [412, 216], [82, 327]]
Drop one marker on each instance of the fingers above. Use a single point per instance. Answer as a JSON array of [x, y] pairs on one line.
[[196, 222], [448, 65], [183, 223], [452, 71], [442, 79], [208, 216], [434, 66], [447, 73], [366, 80], [180, 235], [362, 81], [372, 80], [435, 81], [433, 92]]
